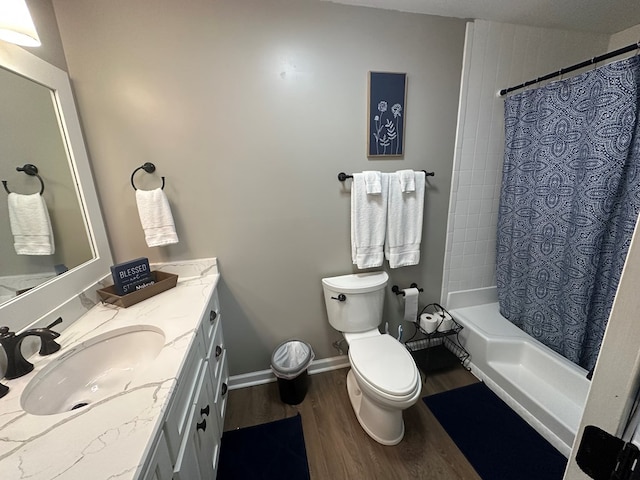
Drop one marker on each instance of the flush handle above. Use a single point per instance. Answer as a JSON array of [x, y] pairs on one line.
[[224, 389], [212, 316], [341, 298], [202, 425], [218, 351]]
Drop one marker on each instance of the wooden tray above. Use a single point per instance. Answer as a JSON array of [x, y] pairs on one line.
[[164, 281]]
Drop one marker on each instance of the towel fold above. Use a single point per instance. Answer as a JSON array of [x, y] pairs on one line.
[[407, 180], [373, 182], [368, 222], [404, 222], [156, 218], [30, 224]]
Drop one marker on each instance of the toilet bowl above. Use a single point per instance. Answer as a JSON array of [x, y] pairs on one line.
[[383, 379]]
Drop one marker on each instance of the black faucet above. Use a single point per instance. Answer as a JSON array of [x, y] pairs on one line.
[[17, 365]]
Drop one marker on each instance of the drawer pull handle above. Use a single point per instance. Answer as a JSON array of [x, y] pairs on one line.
[[205, 410], [224, 388], [212, 316], [202, 425], [218, 351]]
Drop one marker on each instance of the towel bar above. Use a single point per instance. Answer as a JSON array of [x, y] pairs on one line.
[[343, 176]]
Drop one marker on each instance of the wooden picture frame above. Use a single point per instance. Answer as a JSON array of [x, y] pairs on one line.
[[386, 114]]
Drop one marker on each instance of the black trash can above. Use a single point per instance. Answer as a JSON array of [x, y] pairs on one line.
[[289, 363]]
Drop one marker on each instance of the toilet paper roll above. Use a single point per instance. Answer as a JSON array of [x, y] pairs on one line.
[[410, 304], [445, 321], [428, 322]]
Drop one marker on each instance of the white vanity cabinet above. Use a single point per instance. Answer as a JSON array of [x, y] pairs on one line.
[[160, 467], [195, 417]]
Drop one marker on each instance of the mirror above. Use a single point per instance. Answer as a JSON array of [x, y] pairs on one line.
[[30, 133], [59, 153]]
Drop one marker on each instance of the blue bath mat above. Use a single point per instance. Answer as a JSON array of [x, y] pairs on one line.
[[271, 451], [497, 442]]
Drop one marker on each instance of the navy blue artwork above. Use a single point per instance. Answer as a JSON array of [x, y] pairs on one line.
[[387, 94]]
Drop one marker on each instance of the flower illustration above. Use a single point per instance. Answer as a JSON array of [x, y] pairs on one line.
[[387, 131]]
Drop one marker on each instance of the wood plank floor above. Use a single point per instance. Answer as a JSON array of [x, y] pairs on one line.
[[338, 448]]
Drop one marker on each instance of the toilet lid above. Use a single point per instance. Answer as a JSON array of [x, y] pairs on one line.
[[385, 363]]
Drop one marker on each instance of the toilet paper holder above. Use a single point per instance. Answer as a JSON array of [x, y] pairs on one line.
[[395, 289]]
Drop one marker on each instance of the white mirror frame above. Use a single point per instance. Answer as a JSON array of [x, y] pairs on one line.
[[41, 301]]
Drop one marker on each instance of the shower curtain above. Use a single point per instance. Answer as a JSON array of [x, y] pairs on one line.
[[569, 200]]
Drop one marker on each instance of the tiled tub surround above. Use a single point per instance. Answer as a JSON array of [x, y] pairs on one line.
[[114, 437]]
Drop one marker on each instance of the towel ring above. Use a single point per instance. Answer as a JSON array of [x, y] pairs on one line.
[[147, 167], [31, 170]]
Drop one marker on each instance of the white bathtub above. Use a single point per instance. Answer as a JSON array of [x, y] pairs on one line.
[[545, 388]]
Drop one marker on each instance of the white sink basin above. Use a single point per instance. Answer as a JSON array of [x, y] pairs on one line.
[[98, 368]]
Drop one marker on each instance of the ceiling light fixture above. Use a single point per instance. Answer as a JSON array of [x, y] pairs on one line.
[[16, 25]]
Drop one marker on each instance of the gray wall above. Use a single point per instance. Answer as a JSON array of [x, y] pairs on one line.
[[250, 108]]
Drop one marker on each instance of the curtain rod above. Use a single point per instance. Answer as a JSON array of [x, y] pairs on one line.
[[577, 66]]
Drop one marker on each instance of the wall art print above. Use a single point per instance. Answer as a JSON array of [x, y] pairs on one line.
[[387, 100]]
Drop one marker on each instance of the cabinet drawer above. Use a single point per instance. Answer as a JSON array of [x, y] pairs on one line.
[[182, 400], [211, 318], [215, 351], [222, 391]]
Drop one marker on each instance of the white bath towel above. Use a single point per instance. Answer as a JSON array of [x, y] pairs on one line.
[[372, 181], [30, 225], [404, 222], [156, 218], [407, 180], [368, 222]]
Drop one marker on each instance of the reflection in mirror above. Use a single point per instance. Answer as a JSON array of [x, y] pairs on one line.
[[69, 193], [30, 133]]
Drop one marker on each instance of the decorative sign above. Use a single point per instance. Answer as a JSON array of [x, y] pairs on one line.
[[387, 96]]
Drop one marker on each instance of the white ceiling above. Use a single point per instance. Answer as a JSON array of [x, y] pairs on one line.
[[602, 16]]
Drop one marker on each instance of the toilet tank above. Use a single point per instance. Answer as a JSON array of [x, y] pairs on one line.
[[361, 307]]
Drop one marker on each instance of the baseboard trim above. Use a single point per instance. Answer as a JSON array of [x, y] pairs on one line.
[[266, 376]]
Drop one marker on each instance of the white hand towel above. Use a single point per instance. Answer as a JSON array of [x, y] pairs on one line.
[[30, 225], [407, 180], [368, 222], [372, 181], [156, 218], [404, 222]]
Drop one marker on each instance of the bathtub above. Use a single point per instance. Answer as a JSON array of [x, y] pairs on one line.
[[543, 387]]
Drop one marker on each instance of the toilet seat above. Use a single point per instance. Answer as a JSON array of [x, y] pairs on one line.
[[385, 364]]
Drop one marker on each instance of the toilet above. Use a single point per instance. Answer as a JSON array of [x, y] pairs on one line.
[[383, 379]]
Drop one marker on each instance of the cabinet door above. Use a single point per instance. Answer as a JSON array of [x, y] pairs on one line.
[[207, 432], [160, 467], [177, 418], [199, 451]]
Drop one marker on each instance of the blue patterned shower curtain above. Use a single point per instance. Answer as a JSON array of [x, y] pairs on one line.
[[568, 205]]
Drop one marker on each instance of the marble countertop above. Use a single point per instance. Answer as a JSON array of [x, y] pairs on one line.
[[110, 438]]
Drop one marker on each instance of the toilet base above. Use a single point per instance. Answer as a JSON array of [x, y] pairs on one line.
[[383, 424]]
